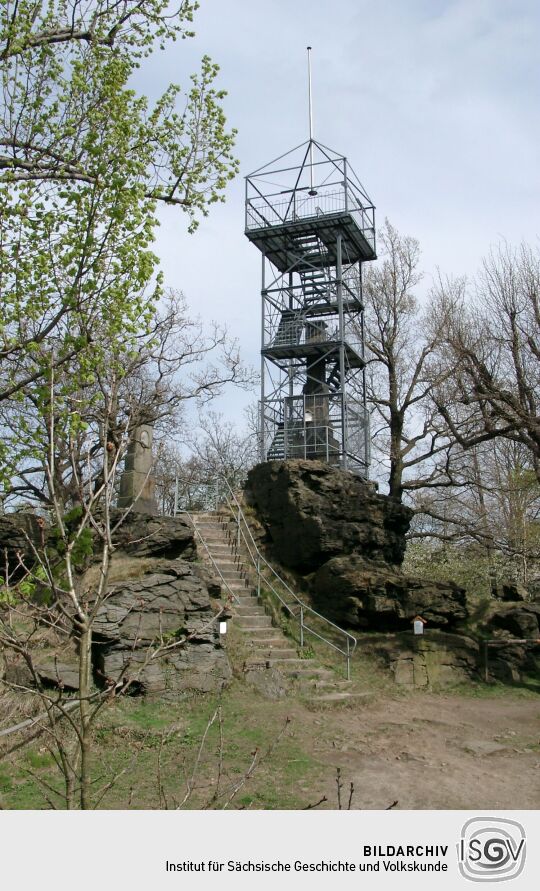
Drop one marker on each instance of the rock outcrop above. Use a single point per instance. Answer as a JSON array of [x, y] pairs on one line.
[[145, 535], [507, 625], [314, 512], [157, 625], [382, 598], [18, 532], [145, 618], [436, 660], [348, 542], [519, 619], [509, 592]]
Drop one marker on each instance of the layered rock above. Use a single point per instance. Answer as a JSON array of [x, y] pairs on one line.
[[369, 596], [313, 512], [144, 535], [507, 626], [160, 632], [519, 619], [436, 660], [349, 543], [157, 625], [18, 533], [509, 592]]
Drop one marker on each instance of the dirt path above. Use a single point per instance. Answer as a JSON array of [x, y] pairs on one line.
[[441, 752]]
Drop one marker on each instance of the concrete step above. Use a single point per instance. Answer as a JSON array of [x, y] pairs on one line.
[[264, 634], [274, 654], [249, 600], [270, 640], [232, 575], [229, 568], [213, 538], [276, 661], [249, 610], [334, 684], [214, 535], [228, 565], [342, 696], [306, 672], [249, 613], [253, 623]]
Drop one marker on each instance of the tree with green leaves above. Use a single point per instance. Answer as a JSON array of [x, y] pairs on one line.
[[84, 163], [86, 341]]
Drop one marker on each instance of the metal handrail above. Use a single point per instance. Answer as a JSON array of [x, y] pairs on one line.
[[501, 642], [257, 559]]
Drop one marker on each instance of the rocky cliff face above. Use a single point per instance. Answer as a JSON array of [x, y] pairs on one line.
[[349, 543], [165, 605], [157, 596], [18, 532], [314, 512]]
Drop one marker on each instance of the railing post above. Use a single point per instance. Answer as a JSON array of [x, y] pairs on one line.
[[348, 659], [258, 575], [301, 626], [238, 532]]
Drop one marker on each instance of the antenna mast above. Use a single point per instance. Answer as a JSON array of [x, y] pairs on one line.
[[312, 190]]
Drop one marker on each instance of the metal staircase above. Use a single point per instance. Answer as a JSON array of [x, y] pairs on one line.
[[276, 452]]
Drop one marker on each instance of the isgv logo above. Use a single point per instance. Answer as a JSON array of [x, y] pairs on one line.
[[491, 849]]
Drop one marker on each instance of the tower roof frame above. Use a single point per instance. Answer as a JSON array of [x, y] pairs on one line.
[[316, 190]]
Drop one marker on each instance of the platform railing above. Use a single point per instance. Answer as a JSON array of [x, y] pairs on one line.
[[274, 210]]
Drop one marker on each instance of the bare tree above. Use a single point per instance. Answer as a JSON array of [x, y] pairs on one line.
[[211, 448], [400, 345], [171, 363], [53, 591], [221, 448], [490, 512], [490, 342]]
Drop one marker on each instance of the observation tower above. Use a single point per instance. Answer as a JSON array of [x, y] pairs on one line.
[[314, 224]]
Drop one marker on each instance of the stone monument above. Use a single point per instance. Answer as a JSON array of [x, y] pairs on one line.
[[137, 485]]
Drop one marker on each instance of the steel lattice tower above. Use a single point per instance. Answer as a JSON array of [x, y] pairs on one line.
[[314, 224]]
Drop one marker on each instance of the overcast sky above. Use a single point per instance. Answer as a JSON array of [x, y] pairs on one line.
[[434, 102]]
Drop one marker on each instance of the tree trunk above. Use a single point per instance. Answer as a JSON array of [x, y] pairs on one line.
[[85, 677]]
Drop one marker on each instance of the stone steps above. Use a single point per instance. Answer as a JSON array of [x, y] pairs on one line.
[[268, 647], [254, 610], [271, 642], [252, 623], [275, 654]]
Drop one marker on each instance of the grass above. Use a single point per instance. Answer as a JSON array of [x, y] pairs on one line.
[[136, 736], [132, 734]]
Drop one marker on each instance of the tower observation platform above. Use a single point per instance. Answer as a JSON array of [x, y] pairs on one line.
[[314, 224]]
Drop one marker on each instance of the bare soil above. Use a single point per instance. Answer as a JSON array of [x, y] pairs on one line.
[[472, 748], [436, 752]]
